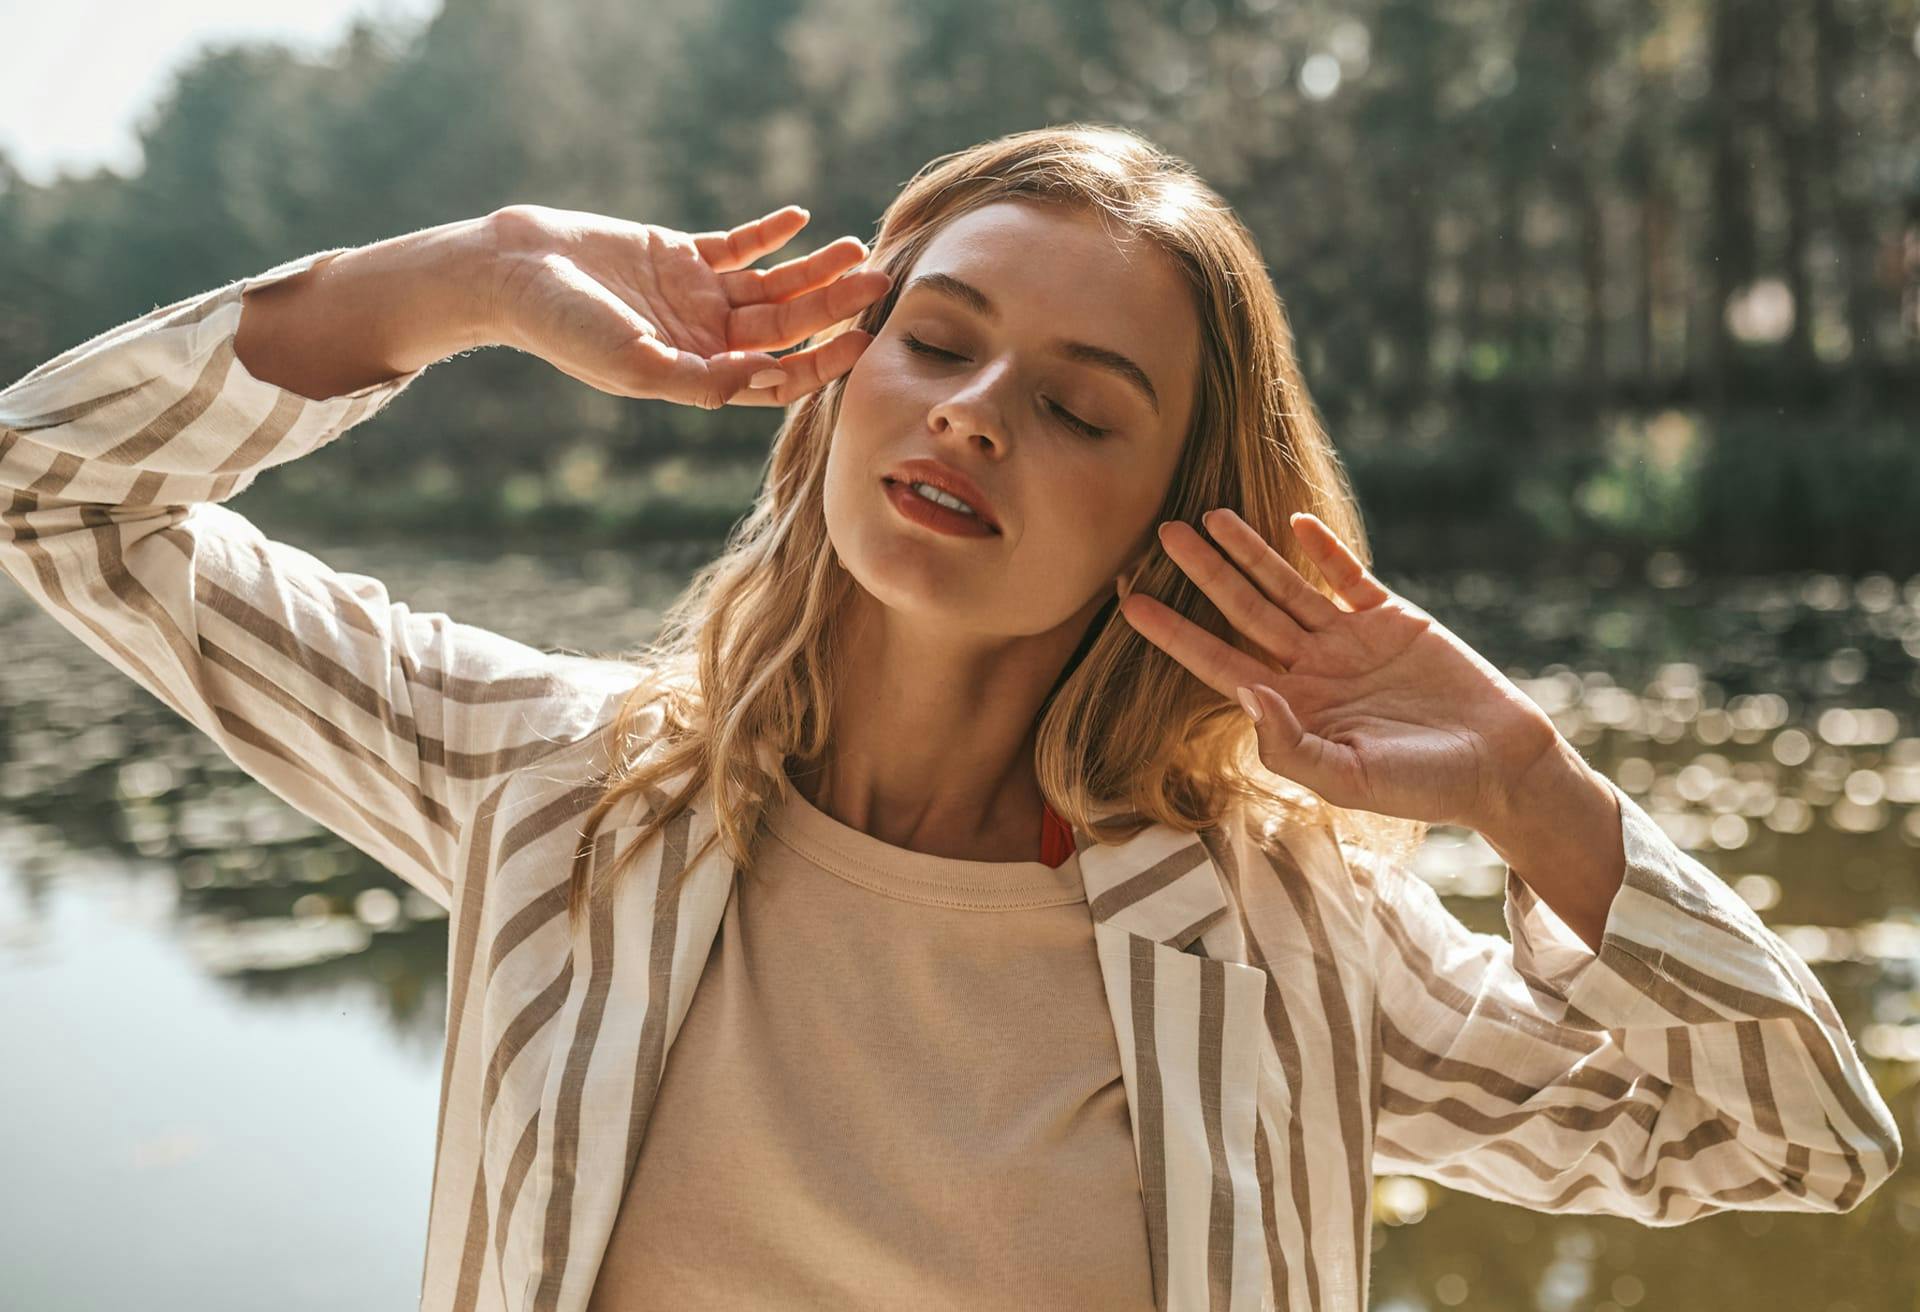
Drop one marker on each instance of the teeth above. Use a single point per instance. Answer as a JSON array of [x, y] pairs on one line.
[[940, 498]]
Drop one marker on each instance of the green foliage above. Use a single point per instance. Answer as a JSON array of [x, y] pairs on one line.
[[1517, 216]]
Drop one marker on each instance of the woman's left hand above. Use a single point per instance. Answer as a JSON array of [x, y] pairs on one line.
[[1374, 705]]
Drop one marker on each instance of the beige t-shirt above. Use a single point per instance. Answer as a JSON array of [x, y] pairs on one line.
[[897, 1086]]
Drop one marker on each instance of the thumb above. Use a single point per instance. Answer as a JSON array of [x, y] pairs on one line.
[[1285, 746], [705, 381]]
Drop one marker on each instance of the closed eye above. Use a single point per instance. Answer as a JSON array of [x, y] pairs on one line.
[[1065, 415]]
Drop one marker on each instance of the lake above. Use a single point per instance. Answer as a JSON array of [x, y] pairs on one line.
[[224, 1025]]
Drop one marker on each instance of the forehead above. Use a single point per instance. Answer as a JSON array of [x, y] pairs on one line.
[[1063, 269]]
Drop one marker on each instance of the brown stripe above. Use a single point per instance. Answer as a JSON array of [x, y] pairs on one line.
[[1856, 1176], [1263, 1173], [267, 435], [525, 923], [650, 1057], [1680, 1056], [61, 471], [1793, 1174], [1376, 1066], [1706, 1134], [573, 803], [1186, 939], [556, 1243], [1280, 1026], [469, 903], [1479, 1122], [1583, 1077], [1759, 1081], [473, 1245], [1137, 888], [524, 1153], [140, 446], [1213, 1025], [1340, 1036], [531, 1019], [1153, 1148]]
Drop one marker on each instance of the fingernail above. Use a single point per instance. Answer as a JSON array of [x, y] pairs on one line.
[[1246, 700], [768, 378]]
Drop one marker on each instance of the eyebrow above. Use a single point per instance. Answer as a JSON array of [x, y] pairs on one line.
[[1084, 352]]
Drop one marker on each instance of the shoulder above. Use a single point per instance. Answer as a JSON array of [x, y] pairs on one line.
[[1291, 862]]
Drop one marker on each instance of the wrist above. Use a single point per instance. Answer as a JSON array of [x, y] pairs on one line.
[[1535, 804], [453, 287], [427, 294], [1559, 829]]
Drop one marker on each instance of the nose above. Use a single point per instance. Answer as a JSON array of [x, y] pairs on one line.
[[973, 410]]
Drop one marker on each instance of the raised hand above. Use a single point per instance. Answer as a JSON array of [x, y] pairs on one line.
[[1372, 703], [639, 310]]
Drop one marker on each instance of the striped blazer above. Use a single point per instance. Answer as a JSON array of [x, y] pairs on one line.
[[1290, 1016]]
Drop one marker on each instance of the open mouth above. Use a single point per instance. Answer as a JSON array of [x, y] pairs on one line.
[[922, 503]]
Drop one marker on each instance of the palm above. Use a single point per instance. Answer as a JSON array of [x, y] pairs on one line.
[[640, 310], [1391, 711], [678, 296]]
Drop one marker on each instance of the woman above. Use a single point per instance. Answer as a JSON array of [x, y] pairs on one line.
[[1081, 965]]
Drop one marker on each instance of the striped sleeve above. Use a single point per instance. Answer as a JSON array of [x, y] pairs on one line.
[[382, 724], [1693, 1065]]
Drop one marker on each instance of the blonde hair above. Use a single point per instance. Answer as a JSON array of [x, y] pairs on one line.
[[743, 673]]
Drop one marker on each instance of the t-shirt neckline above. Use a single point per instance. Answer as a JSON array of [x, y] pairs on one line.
[[900, 872]]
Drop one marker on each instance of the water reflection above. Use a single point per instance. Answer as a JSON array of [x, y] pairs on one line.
[[1768, 724]]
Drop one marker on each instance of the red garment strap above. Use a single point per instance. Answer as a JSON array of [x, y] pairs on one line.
[[1056, 837]]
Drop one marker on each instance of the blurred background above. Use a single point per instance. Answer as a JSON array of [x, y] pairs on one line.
[[1612, 310]]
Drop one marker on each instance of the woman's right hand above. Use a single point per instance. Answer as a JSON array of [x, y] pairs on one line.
[[644, 311]]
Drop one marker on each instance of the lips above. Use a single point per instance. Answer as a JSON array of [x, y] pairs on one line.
[[948, 480]]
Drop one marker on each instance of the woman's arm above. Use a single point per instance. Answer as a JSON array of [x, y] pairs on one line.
[[385, 725], [1693, 1064], [356, 318], [388, 727]]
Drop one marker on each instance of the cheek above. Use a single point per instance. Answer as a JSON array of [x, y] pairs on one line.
[[1080, 521], [876, 392]]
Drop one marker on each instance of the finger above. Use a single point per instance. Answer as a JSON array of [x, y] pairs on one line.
[[1220, 665], [1269, 570], [789, 279], [811, 369], [771, 327], [735, 248], [689, 378], [1245, 606], [1286, 748], [1336, 562]]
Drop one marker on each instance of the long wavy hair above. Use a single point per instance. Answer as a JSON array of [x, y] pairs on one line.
[[742, 675]]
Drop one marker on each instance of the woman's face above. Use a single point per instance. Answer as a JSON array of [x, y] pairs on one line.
[[1022, 329]]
